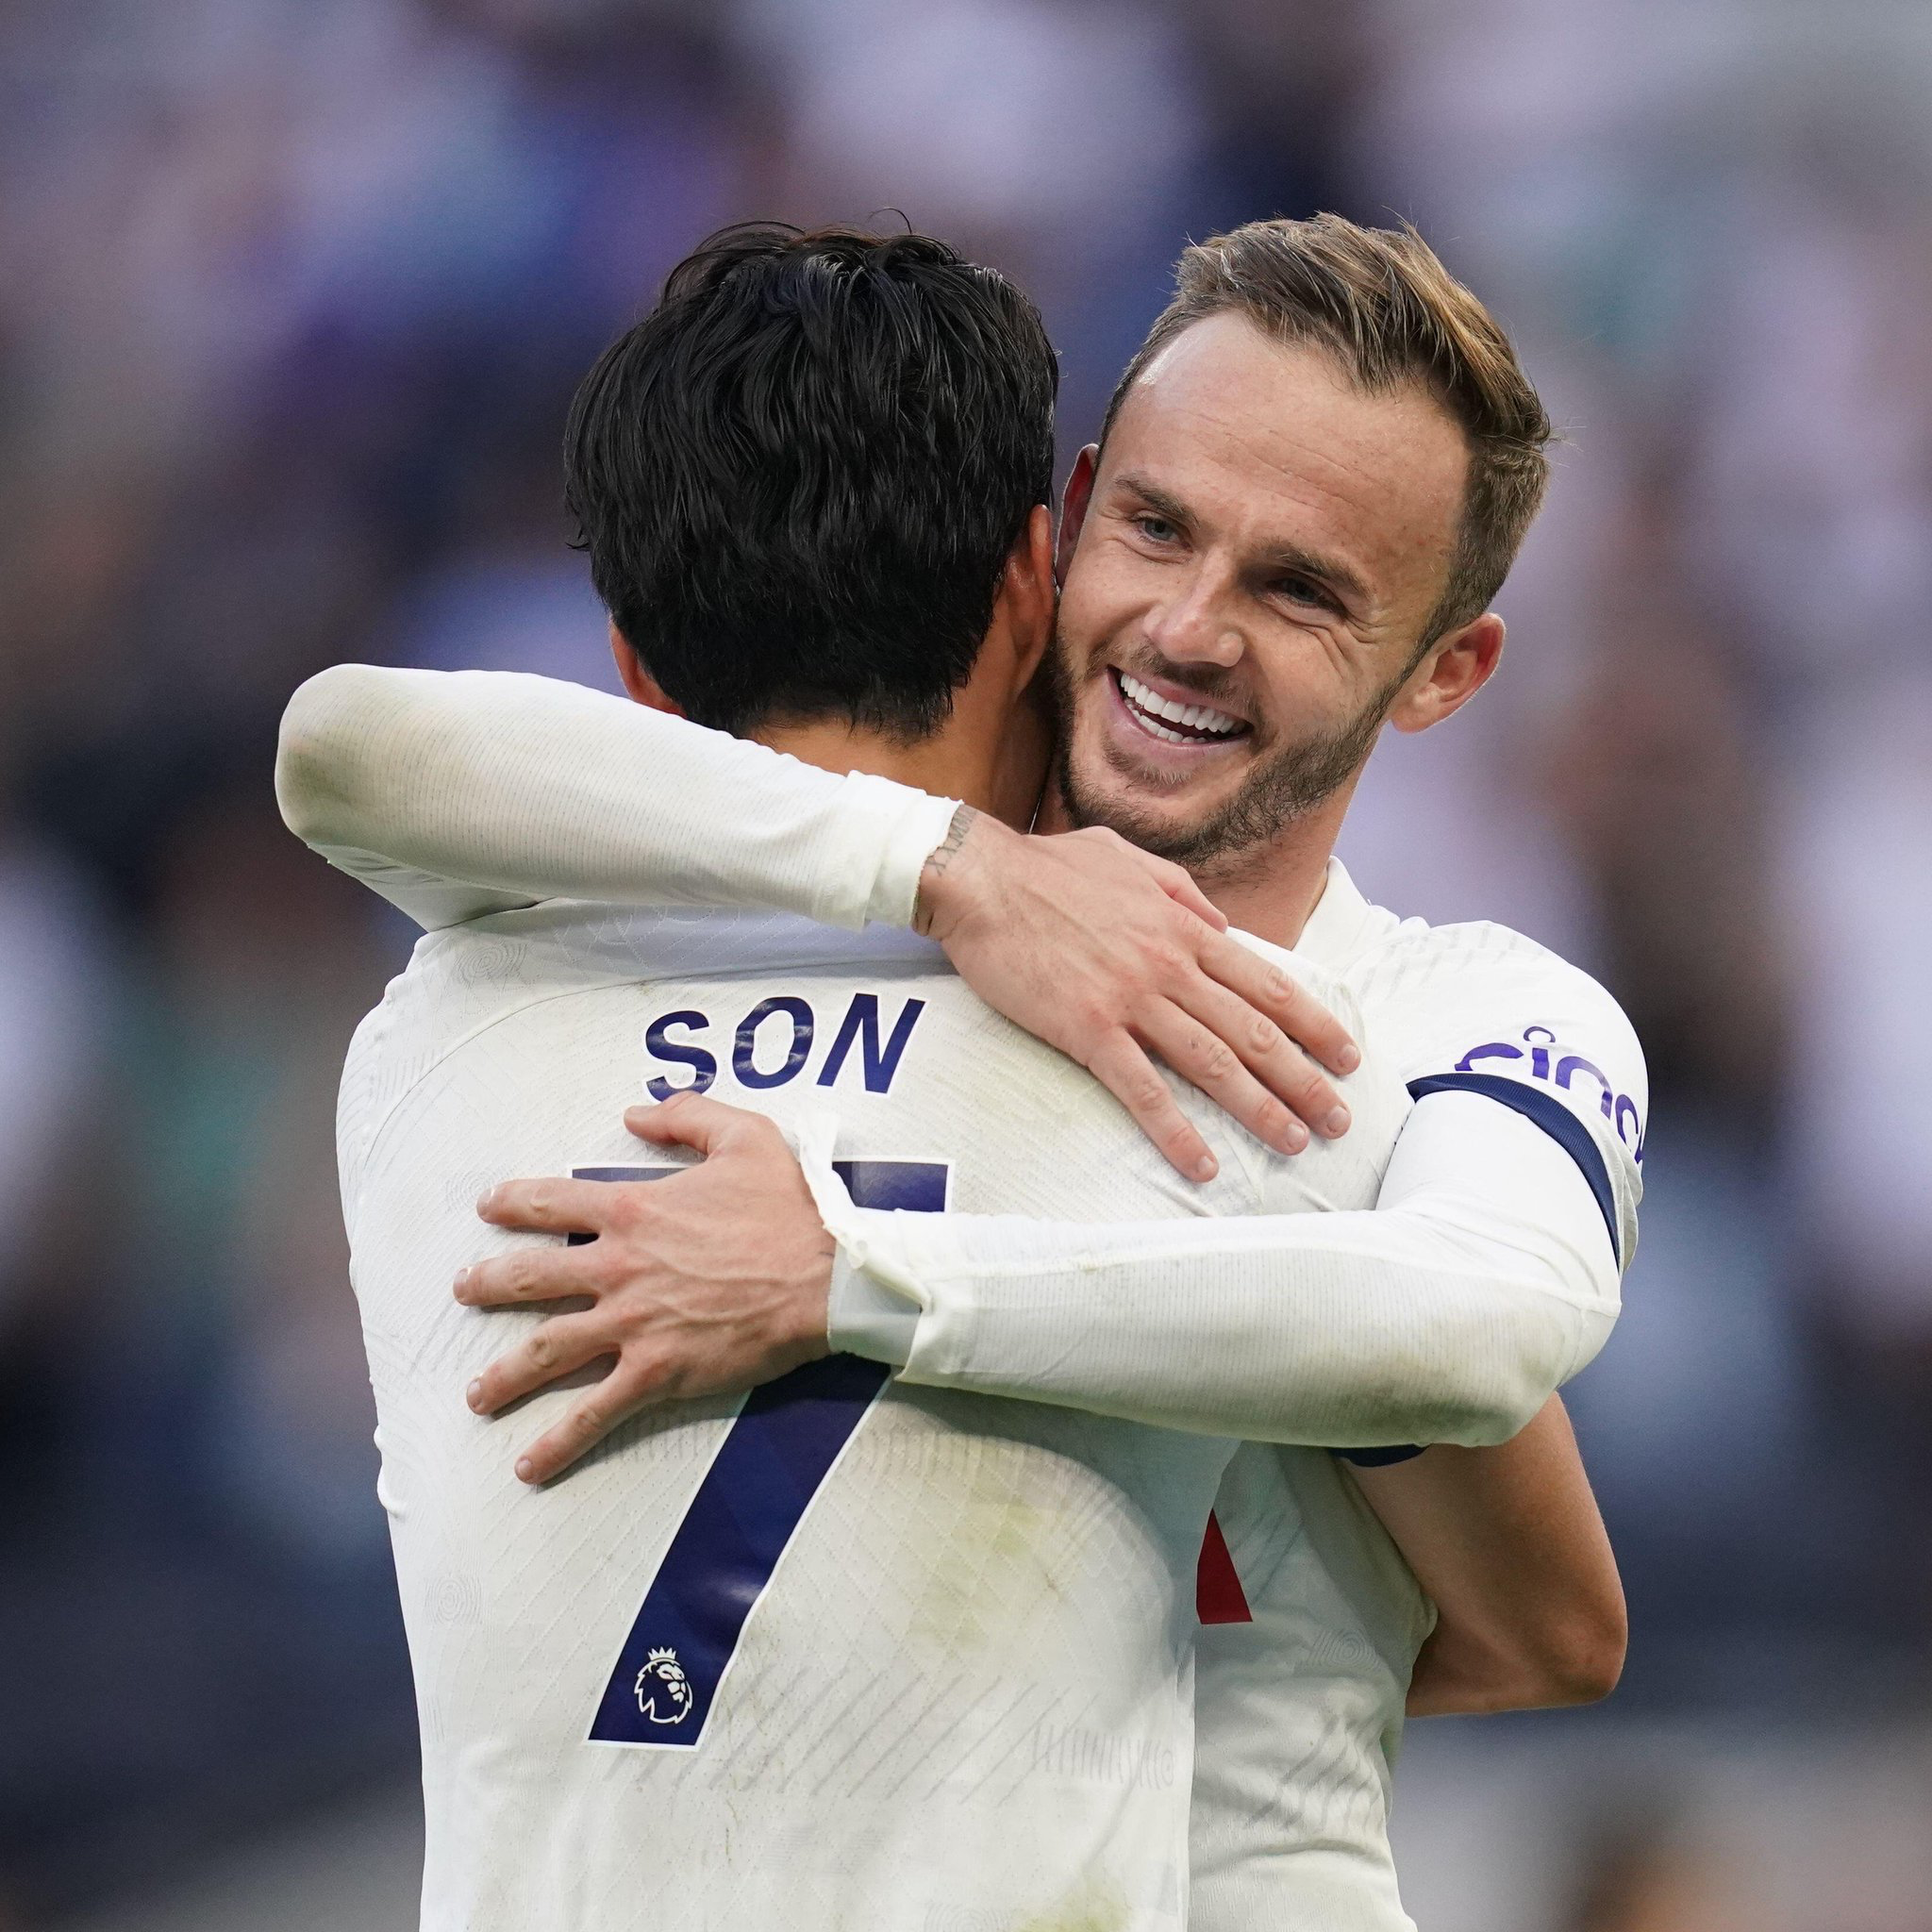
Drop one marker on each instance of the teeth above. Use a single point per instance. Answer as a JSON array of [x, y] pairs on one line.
[[1153, 708]]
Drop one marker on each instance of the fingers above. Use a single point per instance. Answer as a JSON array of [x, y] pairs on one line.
[[559, 1346], [551, 1206], [531, 1274], [592, 1417], [1275, 1060], [689, 1120], [1178, 884], [1201, 1056], [1123, 1069], [1175, 881], [1289, 1004]]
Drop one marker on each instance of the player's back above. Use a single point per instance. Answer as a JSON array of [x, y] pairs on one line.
[[865, 1654]]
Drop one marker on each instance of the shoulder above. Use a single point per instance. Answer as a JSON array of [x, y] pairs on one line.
[[1335, 990], [1457, 998], [1479, 1008]]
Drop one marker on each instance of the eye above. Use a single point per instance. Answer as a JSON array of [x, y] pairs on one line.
[[1301, 590], [1156, 529]]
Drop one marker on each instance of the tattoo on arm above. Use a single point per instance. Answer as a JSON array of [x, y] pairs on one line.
[[940, 858]]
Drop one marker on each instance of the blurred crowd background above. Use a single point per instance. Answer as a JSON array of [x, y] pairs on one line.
[[292, 296]]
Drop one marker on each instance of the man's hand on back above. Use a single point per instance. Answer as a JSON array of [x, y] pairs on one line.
[[714, 1280], [1109, 954]]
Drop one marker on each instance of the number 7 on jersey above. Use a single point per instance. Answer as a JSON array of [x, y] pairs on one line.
[[773, 1458]]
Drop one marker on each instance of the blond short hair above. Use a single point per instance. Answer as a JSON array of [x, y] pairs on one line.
[[1381, 303]]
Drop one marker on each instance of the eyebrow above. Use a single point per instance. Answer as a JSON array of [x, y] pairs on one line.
[[1323, 570]]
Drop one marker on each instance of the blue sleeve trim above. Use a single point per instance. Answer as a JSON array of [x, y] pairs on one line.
[[1553, 1117], [1378, 1458]]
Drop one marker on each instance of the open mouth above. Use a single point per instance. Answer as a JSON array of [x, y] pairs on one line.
[[1171, 720]]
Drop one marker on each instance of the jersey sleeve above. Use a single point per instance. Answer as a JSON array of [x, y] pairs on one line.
[[1448, 1312], [1487, 1274], [1480, 1010], [460, 793]]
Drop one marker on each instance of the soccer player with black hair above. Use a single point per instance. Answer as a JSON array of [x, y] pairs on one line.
[[1311, 484]]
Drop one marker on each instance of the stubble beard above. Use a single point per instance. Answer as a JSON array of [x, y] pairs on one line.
[[1281, 790]]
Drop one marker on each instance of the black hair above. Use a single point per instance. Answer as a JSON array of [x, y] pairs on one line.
[[800, 476]]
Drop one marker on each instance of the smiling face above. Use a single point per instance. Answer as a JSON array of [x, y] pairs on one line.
[[1248, 582]]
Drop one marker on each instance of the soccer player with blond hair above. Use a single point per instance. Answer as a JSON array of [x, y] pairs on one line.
[[1310, 487]]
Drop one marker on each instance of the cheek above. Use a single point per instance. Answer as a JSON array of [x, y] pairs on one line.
[[1305, 687], [1079, 642], [1099, 602]]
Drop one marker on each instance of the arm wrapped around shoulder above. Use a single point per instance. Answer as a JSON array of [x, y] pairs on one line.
[[518, 789], [1483, 1279]]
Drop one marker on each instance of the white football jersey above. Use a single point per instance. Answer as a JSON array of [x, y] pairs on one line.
[[1302, 1674], [850, 1652], [542, 788]]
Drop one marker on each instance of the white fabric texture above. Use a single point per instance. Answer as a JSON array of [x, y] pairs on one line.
[[1298, 1713], [590, 796], [964, 1693], [1485, 1271], [863, 1315], [642, 809], [460, 793]]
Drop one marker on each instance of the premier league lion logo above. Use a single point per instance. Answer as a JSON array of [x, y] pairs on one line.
[[662, 1682]]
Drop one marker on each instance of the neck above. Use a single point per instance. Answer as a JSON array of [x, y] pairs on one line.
[[950, 764], [1272, 894], [1272, 890]]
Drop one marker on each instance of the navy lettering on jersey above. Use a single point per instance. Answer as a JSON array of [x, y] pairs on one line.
[[860, 1031], [861, 1024], [680, 1053], [744, 1048], [771, 1465], [1552, 1063]]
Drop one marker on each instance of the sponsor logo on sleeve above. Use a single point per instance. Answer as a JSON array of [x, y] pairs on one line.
[[1555, 1066]]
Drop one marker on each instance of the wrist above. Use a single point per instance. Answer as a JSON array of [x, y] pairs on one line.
[[807, 1307], [955, 871]]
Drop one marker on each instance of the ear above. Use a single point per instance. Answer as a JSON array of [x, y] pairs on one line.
[[639, 682], [1028, 596], [1456, 668], [1079, 492]]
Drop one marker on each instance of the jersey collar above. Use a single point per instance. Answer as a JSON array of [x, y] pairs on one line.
[[1340, 923]]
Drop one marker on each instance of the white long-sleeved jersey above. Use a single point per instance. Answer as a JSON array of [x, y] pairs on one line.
[[457, 794], [855, 1653], [1487, 1272]]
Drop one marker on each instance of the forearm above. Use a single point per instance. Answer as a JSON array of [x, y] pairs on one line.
[[458, 792], [1347, 1333], [1441, 1316], [1458, 1673], [1509, 1544]]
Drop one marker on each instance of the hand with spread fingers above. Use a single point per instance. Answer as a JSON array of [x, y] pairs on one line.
[[1117, 957], [710, 1280]]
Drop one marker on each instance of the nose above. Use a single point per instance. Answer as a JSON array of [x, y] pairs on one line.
[[1195, 625]]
